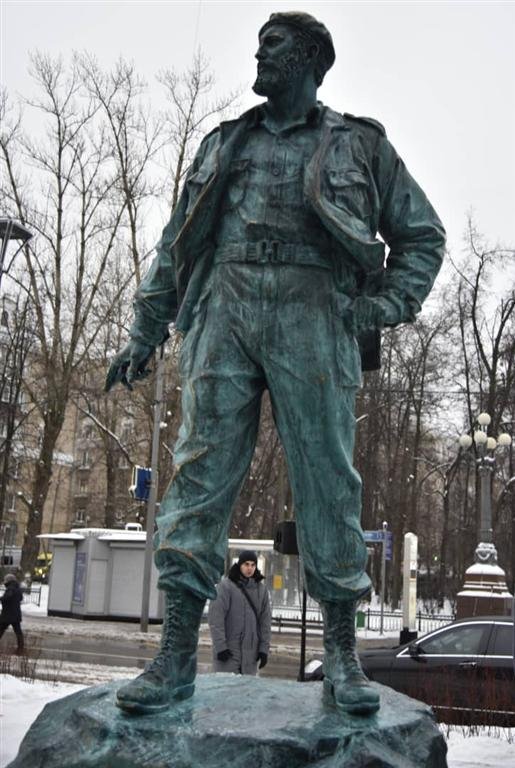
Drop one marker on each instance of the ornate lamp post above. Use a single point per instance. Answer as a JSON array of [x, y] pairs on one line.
[[485, 590]]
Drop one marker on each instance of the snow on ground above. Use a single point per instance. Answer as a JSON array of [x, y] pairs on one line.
[[21, 702], [481, 751]]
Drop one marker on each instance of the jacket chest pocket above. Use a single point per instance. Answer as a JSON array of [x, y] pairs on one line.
[[196, 183], [237, 184], [348, 189]]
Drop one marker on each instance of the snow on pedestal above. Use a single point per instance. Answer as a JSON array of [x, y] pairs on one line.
[[484, 593]]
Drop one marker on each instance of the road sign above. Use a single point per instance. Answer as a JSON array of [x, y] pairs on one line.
[[377, 537], [140, 487], [373, 535], [389, 545]]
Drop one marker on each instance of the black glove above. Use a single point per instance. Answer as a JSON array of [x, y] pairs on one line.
[[263, 659], [224, 655]]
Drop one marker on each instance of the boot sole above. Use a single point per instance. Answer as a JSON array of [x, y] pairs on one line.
[[138, 708], [350, 708]]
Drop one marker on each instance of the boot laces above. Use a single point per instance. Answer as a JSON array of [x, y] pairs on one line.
[[177, 637], [340, 635], [169, 637]]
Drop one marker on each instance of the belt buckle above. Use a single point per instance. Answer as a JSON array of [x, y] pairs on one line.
[[268, 251]]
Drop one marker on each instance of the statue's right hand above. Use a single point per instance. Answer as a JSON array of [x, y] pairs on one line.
[[129, 365]]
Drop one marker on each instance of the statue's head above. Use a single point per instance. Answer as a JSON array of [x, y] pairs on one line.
[[292, 45]]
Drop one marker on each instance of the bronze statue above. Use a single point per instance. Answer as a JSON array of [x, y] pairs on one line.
[[272, 269]]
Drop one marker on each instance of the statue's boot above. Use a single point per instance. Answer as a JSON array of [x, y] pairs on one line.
[[171, 675], [345, 684]]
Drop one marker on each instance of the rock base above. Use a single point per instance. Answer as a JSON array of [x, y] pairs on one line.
[[233, 721]]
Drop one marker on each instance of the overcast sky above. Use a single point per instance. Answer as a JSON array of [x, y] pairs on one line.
[[439, 75]]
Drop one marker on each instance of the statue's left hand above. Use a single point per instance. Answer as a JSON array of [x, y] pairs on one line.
[[129, 365], [366, 313]]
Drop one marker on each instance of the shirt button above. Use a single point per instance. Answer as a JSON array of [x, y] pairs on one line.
[[276, 171]]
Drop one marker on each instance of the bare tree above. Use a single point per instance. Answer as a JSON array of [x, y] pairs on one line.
[[15, 343], [150, 155], [396, 411], [193, 111], [71, 206]]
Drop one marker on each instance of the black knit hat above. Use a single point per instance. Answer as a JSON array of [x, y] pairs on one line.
[[313, 29], [247, 554]]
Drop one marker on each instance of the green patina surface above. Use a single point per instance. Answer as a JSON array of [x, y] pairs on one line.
[[272, 269], [299, 235], [270, 724]]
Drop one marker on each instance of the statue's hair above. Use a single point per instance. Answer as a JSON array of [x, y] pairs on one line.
[[306, 42]]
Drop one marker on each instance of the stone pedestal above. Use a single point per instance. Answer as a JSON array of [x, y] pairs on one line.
[[233, 721], [484, 593]]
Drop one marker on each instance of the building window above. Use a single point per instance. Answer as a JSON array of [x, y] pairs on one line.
[[11, 530], [80, 515], [122, 462], [83, 485], [5, 318], [85, 459], [127, 430], [86, 431]]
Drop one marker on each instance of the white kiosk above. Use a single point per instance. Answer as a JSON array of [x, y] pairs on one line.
[[98, 573]]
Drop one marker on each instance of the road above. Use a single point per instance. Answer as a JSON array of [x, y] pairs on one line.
[[122, 645], [119, 654]]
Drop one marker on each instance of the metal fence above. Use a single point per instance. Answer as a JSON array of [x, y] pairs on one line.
[[30, 594], [284, 618], [393, 621]]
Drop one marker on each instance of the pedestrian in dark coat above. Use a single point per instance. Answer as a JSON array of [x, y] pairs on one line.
[[240, 619], [11, 611]]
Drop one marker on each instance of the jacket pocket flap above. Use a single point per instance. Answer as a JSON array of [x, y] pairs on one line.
[[339, 177]]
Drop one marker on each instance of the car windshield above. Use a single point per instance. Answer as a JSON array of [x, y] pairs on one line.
[[464, 640]]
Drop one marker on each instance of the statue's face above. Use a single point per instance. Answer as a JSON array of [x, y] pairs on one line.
[[281, 60]]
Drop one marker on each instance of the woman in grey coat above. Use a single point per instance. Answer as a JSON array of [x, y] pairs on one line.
[[240, 619]]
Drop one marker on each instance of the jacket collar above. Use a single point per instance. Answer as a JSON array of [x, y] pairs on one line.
[[253, 117]]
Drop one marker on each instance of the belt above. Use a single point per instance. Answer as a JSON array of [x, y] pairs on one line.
[[273, 252]]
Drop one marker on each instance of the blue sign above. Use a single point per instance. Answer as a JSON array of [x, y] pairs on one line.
[[378, 537], [373, 535], [389, 545], [141, 479], [79, 578]]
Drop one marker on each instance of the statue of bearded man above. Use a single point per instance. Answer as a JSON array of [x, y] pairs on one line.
[[272, 268]]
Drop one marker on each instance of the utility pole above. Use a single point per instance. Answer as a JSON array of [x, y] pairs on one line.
[[152, 496]]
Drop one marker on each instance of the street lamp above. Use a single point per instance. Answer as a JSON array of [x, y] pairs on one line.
[[485, 590], [11, 230]]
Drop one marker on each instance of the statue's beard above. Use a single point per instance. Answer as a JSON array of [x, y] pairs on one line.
[[280, 76]]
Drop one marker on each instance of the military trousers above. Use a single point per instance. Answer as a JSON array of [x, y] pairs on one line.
[[282, 328]]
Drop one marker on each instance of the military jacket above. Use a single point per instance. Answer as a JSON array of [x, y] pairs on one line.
[[364, 196]]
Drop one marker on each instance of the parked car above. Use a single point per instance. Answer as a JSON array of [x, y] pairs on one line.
[[464, 670], [42, 567]]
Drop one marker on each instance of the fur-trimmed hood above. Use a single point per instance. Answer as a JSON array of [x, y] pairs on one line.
[[235, 574]]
